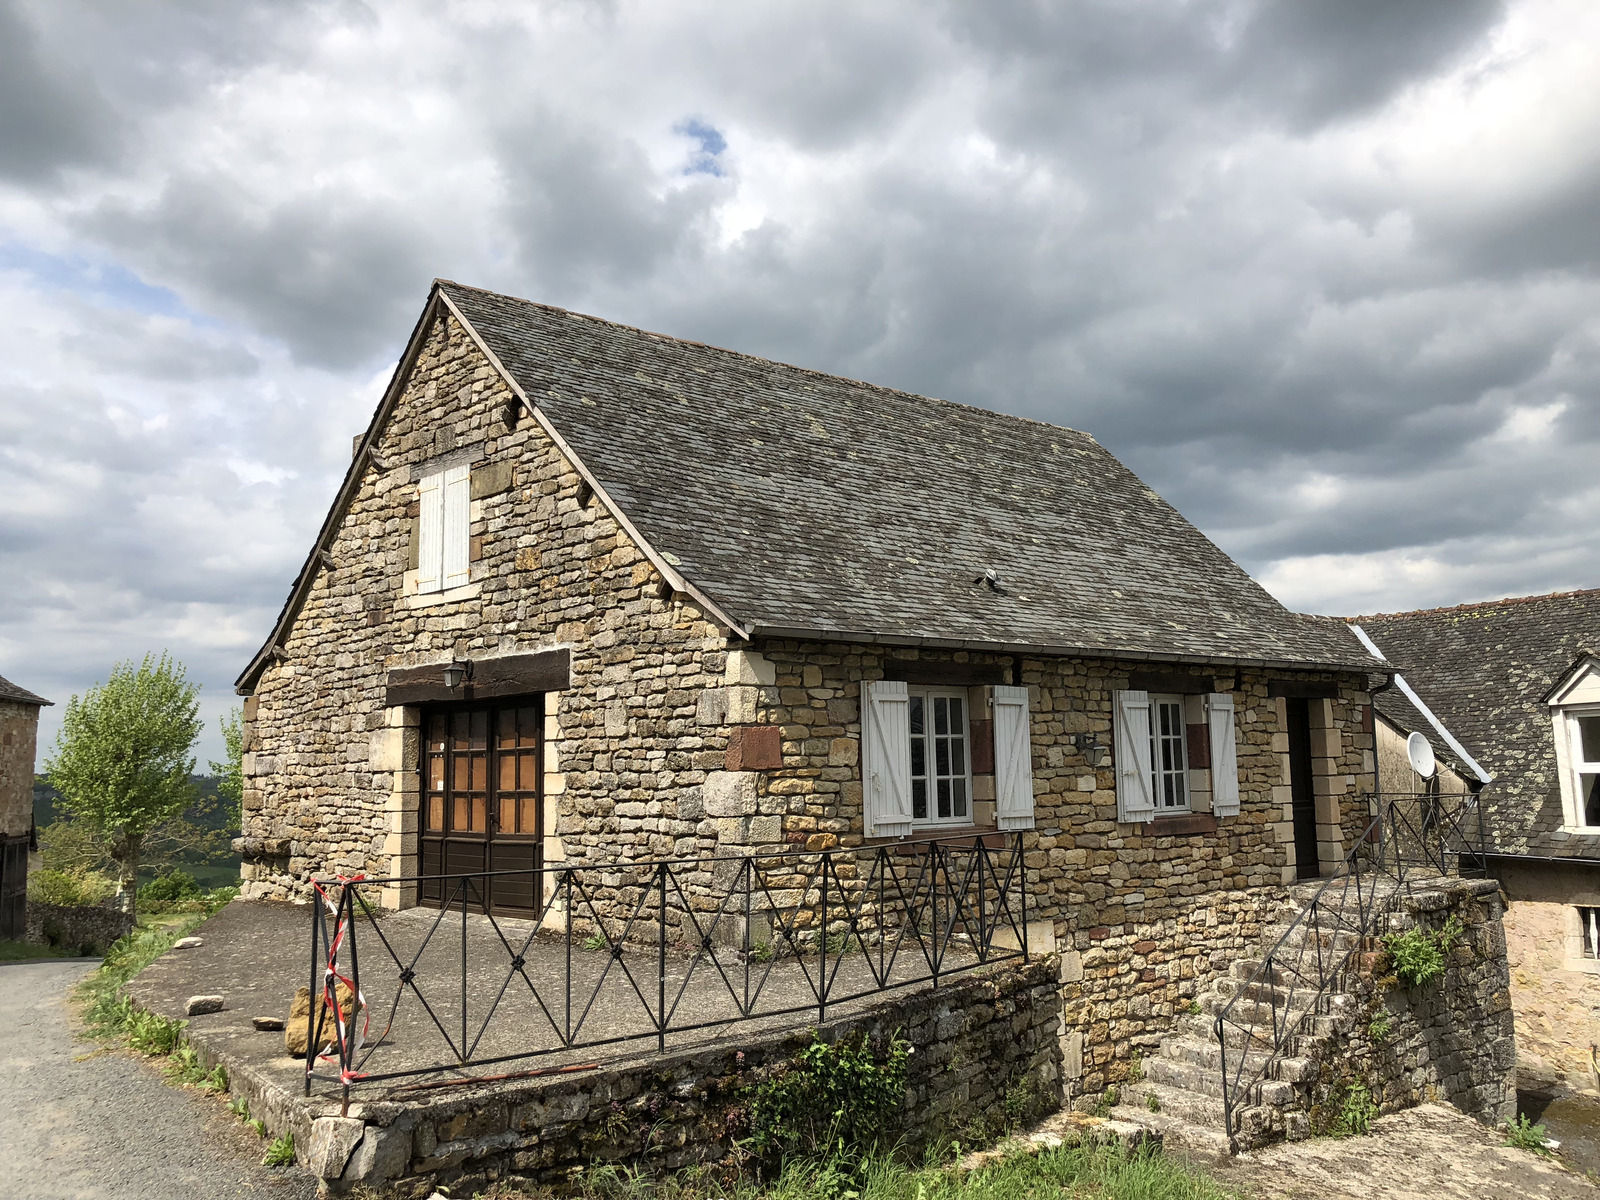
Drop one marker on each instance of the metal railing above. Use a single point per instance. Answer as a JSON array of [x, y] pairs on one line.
[[1406, 835], [624, 952]]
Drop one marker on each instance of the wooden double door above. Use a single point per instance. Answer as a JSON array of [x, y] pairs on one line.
[[482, 804]]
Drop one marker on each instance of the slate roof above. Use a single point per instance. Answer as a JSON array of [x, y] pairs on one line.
[[10, 691], [1484, 670], [807, 504]]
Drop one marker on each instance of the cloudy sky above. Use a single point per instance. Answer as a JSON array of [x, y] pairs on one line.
[[1324, 272]]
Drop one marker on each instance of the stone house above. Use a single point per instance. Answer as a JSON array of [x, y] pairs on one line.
[[19, 729], [591, 594], [1509, 693]]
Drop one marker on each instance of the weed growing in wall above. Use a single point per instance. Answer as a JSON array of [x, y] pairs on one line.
[[840, 1097], [1525, 1135], [1419, 955], [1380, 1028], [1356, 1112]]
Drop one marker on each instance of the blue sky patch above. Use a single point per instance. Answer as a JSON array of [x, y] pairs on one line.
[[706, 158]]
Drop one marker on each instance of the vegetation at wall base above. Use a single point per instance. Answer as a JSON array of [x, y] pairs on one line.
[[841, 1097], [280, 1153], [1104, 1171], [1357, 1111], [1525, 1135]]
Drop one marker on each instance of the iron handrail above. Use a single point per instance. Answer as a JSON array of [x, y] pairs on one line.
[[918, 913]]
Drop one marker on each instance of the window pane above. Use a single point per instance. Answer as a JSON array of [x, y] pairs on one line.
[[941, 755], [479, 814], [1589, 737], [463, 773], [1589, 920], [436, 772], [436, 813], [480, 730], [508, 772], [915, 714], [919, 799], [958, 797], [958, 756], [919, 756], [955, 714], [530, 815], [458, 814], [944, 797], [941, 714], [436, 732], [528, 724], [506, 727], [458, 730], [508, 814], [1591, 801]]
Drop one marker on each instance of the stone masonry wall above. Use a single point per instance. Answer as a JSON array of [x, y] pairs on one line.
[[19, 726], [984, 1054], [1452, 1041], [331, 774], [76, 929]]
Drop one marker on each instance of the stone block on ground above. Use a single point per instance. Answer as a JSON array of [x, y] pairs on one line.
[[295, 1029], [200, 1005]]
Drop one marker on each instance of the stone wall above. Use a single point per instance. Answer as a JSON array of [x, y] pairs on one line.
[[1452, 1041], [19, 727], [1555, 988], [984, 1055], [76, 929]]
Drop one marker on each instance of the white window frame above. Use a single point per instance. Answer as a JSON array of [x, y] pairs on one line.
[[1583, 773], [925, 695], [1161, 774]]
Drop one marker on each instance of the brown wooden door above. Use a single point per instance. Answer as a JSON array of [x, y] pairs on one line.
[[481, 775]]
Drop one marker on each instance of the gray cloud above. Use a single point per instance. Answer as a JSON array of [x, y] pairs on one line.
[[1323, 272]]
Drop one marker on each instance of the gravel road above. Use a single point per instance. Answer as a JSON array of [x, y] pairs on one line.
[[82, 1124]]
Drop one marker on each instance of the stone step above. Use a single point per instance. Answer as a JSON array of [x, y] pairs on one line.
[[1178, 1136], [1175, 1103]]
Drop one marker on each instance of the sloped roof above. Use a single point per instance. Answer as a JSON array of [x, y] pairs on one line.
[[808, 504], [10, 691], [1484, 670]]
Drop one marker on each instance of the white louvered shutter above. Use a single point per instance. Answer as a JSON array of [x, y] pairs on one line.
[[886, 758], [457, 526], [430, 533], [1224, 757], [1013, 759], [1132, 719]]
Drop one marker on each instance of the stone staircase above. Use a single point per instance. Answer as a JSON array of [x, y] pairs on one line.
[[1181, 1092]]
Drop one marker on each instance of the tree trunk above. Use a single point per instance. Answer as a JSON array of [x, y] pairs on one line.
[[128, 869]]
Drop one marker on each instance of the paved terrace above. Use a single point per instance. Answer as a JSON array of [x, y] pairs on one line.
[[256, 953]]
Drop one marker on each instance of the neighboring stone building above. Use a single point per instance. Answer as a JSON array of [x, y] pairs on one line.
[[19, 728], [590, 594], [1509, 694]]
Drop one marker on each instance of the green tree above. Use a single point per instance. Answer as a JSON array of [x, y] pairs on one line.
[[124, 756], [230, 774]]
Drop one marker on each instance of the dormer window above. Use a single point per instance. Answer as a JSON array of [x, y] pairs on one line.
[[1575, 719], [1584, 730], [444, 530]]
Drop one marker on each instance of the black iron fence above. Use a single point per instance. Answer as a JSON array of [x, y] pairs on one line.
[[1408, 838], [626, 952]]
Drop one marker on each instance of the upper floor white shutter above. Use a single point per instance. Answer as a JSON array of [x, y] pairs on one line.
[[457, 526], [1013, 759], [430, 533], [1224, 755], [1131, 718], [886, 758]]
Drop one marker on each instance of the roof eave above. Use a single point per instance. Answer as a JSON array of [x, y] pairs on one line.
[[1055, 649]]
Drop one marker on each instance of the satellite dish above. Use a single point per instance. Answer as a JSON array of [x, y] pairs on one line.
[[1421, 756]]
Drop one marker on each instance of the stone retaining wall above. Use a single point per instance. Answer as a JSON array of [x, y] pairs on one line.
[[76, 929], [984, 1054]]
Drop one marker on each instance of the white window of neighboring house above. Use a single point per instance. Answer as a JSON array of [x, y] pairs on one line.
[[1169, 757], [941, 767], [1584, 729], [444, 530], [1589, 922]]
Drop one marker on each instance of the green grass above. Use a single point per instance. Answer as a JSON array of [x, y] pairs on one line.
[[1099, 1172]]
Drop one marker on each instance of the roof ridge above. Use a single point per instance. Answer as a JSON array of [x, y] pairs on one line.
[[1505, 601], [757, 358]]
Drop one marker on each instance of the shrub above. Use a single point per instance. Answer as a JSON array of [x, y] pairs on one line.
[[72, 889], [169, 891], [1419, 955], [1525, 1135], [836, 1097]]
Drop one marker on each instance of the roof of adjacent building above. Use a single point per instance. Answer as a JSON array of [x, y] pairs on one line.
[[808, 505], [1485, 670], [10, 691]]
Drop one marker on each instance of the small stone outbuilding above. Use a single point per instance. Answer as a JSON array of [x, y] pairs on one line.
[[19, 730], [591, 594]]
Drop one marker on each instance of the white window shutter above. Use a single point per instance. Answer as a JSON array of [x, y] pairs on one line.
[[430, 533], [1013, 759], [457, 526], [886, 758], [1132, 719], [1224, 756]]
